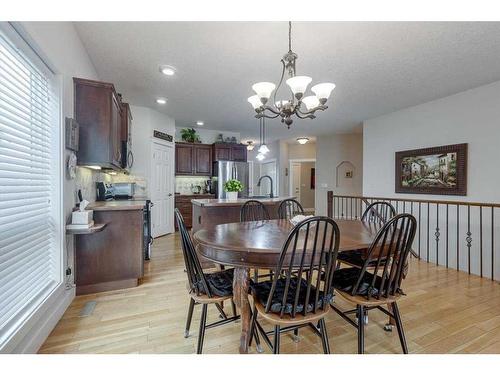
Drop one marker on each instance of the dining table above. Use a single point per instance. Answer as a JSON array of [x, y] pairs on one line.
[[258, 244]]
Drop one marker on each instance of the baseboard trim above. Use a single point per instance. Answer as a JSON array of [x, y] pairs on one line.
[[35, 331]]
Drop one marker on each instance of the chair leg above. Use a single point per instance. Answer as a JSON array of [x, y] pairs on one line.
[[276, 345], [361, 330], [201, 334], [221, 311], [189, 317], [324, 336], [234, 308], [256, 276], [296, 337], [254, 332], [399, 326]]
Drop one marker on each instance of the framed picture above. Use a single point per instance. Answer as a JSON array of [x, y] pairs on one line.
[[435, 170]]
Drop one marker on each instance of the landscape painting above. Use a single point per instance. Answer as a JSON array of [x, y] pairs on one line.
[[434, 170]]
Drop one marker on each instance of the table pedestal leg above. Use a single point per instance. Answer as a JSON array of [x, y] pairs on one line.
[[241, 283]]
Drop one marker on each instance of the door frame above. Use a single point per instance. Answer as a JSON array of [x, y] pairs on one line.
[[171, 148], [290, 175]]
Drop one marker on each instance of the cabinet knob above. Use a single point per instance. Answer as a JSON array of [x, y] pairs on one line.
[[170, 195]]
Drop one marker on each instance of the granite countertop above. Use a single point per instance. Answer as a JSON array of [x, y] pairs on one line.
[[237, 202], [119, 205]]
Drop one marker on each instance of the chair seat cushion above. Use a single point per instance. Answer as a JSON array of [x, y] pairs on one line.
[[220, 283], [356, 258], [345, 279], [263, 289]]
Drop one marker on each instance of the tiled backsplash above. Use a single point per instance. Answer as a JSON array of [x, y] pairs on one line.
[[183, 184], [86, 178]]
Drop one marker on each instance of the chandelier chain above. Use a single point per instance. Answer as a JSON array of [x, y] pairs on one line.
[[290, 36]]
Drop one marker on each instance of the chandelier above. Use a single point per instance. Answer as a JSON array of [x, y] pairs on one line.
[[298, 105]]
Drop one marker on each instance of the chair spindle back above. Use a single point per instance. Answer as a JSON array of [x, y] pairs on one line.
[[253, 210], [289, 208], [378, 212]]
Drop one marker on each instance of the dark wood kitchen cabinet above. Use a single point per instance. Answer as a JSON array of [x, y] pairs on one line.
[[98, 111], [231, 152], [193, 159]]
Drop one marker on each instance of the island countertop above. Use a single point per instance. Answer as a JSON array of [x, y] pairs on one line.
[[119, 205], [238, 202]]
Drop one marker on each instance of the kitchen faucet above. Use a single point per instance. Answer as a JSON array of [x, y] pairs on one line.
[[271, 180]]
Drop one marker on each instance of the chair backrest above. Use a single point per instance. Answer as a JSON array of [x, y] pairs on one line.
[[379, 213], [289, 208], [388, 252], [308, 255], [253, 210], [196, 278]]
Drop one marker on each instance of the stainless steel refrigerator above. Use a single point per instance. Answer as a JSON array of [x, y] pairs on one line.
[[227, 170]]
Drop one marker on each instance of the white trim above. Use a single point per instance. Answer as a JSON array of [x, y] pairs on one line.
[[290, 176]]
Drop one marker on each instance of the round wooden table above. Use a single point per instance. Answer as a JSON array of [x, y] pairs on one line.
[[257, 244]]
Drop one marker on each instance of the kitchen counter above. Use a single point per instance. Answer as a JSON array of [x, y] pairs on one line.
[[238, 202], [119, 205], [209, 212]]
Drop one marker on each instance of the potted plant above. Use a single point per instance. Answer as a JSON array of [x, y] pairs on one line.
[[232, 188], [189, 135]]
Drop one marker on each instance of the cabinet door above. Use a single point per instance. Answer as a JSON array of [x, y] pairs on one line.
[[184, 159], [222, 152], [116, 131], [203, 160], [239, 153]]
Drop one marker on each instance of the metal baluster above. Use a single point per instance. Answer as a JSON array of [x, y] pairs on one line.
[[447, 230], [419, 217], [458, 237], [437, 234], [428, 230], [492, 243], [481, 241], [468, 239], [351, 209]]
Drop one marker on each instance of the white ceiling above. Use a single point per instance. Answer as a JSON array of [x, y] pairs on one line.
[[378, 67]]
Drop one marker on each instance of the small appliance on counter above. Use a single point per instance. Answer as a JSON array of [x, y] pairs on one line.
[[123, 190], [104, 191], [81, 218]]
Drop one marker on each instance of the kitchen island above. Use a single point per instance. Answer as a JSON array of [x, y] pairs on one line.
[[209, 212]]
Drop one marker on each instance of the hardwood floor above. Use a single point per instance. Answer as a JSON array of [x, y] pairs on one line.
[[461, 316]]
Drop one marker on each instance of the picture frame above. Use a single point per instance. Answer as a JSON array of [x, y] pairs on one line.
[[435, 170]]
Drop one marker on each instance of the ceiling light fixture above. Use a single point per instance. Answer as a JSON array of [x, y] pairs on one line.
[[250, 145], [263, 149], [200, 123], [298, 85], [302, 140], [161, 101], [167, 70]]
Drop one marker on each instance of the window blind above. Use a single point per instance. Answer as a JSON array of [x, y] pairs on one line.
[[28, 178]]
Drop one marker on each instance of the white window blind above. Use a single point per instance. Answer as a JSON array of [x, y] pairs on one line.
[[29, 183]]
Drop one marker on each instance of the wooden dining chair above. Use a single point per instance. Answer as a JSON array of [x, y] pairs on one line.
[[386, 259], [253, 210], [204, 288], [298, 297], [377, 213], [289, 208]]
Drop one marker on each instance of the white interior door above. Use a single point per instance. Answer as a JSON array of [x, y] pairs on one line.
[[296, 171], [162, 186]]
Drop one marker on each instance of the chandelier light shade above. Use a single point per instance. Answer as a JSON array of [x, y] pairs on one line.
[[298, 85], [260, 157], [302, 140], [323, 91], [264, 90], [263, 149], [311, 102], [288, 108]]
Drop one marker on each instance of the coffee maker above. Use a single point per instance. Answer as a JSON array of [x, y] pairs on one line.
[[209, 187]]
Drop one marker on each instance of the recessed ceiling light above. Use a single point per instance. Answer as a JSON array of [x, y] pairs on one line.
[[161, 101], [200, 123], [167, 70], [303, 140]]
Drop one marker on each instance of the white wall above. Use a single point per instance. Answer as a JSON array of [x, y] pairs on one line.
[[60, 46], [469, 117], [144, 122], [330, 152], [206, 135]]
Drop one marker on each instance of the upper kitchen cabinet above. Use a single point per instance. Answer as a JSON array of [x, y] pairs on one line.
[[228, 151], [192, 159], [98, 110]]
